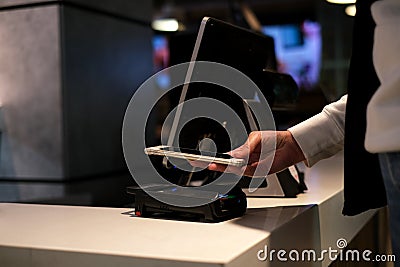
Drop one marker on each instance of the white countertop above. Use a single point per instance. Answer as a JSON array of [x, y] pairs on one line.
[[51, 235]]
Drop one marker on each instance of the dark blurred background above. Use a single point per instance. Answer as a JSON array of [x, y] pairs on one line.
[[69, 68]]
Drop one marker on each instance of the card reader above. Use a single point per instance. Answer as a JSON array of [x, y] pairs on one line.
[[225, 207]]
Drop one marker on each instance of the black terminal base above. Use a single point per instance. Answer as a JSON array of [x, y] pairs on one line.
[[225, 207]]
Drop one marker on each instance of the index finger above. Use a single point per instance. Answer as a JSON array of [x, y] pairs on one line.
[[226, 168]]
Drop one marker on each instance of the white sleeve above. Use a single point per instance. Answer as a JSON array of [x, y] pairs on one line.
[[322, 135]]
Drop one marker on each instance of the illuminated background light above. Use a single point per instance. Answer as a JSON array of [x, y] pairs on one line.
[[351, 10], [165, 25], [341, 1]]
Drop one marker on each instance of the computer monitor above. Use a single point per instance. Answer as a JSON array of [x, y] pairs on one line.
[[248, 51], [253, 54]]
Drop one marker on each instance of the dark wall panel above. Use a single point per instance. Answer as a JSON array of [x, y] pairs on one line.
[[105, 60]]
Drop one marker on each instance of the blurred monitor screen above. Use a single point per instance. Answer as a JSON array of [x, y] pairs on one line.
[[298, 51]]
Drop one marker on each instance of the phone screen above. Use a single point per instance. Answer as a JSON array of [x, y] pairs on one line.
[[193, 154], [197, 152]]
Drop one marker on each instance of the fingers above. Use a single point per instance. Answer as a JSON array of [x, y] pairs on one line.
[[248, 170], [217, 167], [256, 169], [225, 168], [198, 164], [258, 151]]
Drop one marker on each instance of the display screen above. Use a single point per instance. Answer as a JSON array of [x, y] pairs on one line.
[[197, 152]]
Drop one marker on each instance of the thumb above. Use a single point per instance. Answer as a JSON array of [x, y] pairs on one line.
[[249, 147]]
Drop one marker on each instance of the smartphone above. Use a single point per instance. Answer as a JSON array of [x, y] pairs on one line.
[[193, 154]]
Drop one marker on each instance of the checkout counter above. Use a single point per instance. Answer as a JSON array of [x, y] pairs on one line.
[[39, 235]]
